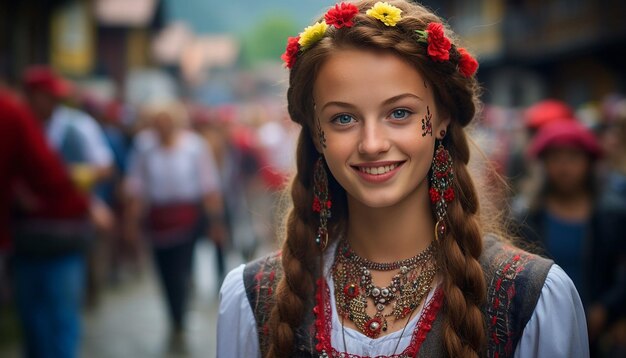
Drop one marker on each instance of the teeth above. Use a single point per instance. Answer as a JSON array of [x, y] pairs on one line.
[[378, 170]]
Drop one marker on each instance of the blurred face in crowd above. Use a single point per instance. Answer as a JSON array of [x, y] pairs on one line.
[[567, 168], [371, 115], [164, 125], [41, 103]]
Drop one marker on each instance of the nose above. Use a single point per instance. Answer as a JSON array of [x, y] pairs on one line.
[[373, 138]]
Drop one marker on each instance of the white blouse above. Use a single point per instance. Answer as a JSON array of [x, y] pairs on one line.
[[557, 327], [183, 173]]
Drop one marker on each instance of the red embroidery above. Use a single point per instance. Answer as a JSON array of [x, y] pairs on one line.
[[501, 299], [323, 324]]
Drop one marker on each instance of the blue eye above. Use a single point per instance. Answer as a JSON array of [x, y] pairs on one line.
[[343, 119], [400, 114]]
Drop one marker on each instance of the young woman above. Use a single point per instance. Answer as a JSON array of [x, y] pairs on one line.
[[403, 266]]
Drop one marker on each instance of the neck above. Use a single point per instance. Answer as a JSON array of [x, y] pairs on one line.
[[576, 206], [569, 197], [392, 233]]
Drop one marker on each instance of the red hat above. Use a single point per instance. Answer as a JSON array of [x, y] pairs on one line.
[[45, 79], [568, 133], [547, 111]]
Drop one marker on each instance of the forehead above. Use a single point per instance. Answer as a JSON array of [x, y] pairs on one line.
[[366, 76]]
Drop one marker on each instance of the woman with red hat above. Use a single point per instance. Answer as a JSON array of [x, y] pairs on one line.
[[578, 227]]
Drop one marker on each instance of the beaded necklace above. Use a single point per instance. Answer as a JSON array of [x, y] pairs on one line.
[[354, 287]]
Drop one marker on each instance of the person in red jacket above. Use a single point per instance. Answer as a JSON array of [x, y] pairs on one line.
[[48, 288]]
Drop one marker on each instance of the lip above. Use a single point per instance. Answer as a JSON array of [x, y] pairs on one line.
[[377, 178]]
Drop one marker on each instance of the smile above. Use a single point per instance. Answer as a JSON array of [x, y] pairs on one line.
[[377, 172]]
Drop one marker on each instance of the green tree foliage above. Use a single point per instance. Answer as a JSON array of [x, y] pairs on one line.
[[266, 40]]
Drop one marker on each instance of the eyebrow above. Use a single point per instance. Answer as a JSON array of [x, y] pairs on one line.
[[386, 102]]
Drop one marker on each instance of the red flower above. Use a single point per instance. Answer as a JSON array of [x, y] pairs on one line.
[[341, 15], [438, 44], [291, 51], [329, 204], [467, 64], [448, 195], [434, 195], [317, 206]]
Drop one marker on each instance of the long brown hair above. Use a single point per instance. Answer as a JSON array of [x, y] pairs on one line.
[[456, 96]]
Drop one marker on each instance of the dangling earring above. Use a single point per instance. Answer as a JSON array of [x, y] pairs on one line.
[[321, 202], [441, 191]]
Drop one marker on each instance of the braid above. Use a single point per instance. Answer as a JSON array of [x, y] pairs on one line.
[[295, 289], [464, 284], [297, 282]]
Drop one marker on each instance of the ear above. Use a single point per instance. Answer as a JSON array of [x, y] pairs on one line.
[[442, 126]]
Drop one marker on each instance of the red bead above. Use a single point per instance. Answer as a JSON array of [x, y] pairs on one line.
[[317, 206], [434, 195], [351, 290]]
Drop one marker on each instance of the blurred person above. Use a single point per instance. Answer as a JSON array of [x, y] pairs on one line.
[[237, 166], [173, 179], [518, 169], [73, 133], [79, 139], [47, 277], [613, 138], [576, 225]]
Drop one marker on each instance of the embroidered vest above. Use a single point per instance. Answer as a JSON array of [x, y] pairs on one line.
[[514, 281]]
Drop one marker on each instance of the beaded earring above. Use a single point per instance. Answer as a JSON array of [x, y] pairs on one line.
[[321, 202], [441, 191]]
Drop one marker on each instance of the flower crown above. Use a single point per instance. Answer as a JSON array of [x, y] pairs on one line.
[[342, 15]]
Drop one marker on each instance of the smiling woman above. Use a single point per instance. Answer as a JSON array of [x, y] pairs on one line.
[[402, 267]]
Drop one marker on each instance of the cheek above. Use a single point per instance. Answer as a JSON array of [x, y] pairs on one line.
[[338, 151]]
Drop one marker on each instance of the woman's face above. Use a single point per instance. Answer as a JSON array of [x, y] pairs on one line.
[[379, 122], [567, 168]]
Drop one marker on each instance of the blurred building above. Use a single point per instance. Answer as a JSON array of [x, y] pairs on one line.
[[531, 49], [80, 38]]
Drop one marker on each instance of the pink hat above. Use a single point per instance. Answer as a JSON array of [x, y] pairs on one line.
[[45, 79], [566, 133], [547, 111]]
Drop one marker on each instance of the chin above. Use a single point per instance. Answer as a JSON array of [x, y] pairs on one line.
[[378, 201]]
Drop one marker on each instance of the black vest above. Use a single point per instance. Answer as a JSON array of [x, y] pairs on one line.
[[514, 282]]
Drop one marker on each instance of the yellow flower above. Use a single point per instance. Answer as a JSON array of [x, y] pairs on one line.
[[385, 12], [312, 34]]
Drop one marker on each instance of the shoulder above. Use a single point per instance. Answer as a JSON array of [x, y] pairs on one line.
[[500, 257], [236, 326], [145, 140], [507, 267], [514, 279], [260, 278], [75, 116], [558, 317]]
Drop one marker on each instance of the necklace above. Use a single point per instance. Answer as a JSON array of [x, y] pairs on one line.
[[354, 288], [347, 251], [343, 335]]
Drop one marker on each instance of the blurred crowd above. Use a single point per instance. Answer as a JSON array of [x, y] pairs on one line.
[[92, 189], [565, 198]]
